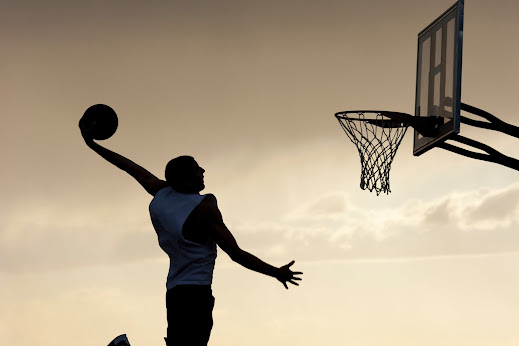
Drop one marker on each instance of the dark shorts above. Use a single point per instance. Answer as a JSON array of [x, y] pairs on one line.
[[190, 315]]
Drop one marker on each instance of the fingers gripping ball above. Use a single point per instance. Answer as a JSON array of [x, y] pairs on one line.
[[100, 121]]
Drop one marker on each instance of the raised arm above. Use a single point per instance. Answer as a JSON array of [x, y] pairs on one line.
[[148, 181], [227, 243]]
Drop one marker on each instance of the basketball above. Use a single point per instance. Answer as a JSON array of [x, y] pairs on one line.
[[101, 120]]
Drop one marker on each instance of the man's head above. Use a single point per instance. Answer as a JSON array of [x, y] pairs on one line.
[[185, 175]]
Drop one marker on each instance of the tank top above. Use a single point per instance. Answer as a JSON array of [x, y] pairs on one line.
[[189, 263]]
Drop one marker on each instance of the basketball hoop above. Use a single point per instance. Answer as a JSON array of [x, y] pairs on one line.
[[377, 135]]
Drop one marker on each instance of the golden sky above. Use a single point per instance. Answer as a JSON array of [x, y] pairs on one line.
[[249, 88]]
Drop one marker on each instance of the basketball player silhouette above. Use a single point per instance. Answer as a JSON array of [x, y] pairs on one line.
[[189, 227]]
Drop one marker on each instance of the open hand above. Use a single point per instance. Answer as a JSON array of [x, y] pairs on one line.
[[286, 275]]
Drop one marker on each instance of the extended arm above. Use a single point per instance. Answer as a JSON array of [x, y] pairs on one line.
[[227, 243], [149, 182]]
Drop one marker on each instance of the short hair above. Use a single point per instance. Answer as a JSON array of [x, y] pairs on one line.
[[178, 169]]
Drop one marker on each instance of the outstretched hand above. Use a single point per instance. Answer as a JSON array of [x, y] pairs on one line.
[[286, 275]]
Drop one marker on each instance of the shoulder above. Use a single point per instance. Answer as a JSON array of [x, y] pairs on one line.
[[210, 199], [157, 185], [208, 208]]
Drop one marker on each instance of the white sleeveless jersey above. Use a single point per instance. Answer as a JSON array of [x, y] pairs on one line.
[[189, 263]]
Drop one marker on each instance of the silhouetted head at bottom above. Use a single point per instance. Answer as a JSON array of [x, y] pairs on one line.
[[184, 175]]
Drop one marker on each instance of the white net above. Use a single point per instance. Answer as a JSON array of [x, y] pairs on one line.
[[377, 139]]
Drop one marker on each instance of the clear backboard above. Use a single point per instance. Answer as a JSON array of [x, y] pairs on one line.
[[438, 76]]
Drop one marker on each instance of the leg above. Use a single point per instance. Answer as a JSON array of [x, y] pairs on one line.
[[190, 318]]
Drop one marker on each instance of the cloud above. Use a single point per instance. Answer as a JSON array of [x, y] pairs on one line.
[[493, 209], [332, 227], [439, 214]]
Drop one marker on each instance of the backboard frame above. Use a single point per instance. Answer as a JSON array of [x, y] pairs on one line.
[[437, 76]]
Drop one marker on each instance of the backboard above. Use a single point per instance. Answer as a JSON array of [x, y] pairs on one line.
[[438, 76]]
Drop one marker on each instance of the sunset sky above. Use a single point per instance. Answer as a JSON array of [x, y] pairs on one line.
[[249, 88]]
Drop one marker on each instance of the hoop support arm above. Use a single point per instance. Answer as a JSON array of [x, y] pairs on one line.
[[494, 123], [491, 156]]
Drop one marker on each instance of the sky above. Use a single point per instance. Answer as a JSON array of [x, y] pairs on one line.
[[249, 88]]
